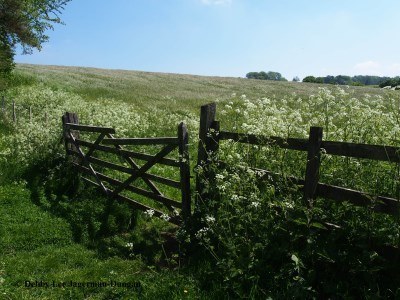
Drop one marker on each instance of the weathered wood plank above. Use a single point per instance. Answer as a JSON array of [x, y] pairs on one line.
[[380, 204], [375, 152], [162, 180], [286, 143], [97, 142], [86, 162], [162, 199], [153, 177], [64, 120], [69, 117], [128, 153], [167, 149], [127, 170], [139, 191], [377, 203], [142, 141], [184, 169], [313, 163], [207, 117], [136, 204], [135, 166], [110, 165], [90, 128]]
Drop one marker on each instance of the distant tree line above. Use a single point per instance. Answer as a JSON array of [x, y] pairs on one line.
[[354, 80], [339, 79], [266, 76], [395, 81]]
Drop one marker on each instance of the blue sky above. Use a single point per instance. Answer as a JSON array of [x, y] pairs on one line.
[[228, 37]]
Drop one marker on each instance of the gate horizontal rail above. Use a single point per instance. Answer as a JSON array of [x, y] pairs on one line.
[[126, 153], [374, 152], [84, 161], [314, 145]]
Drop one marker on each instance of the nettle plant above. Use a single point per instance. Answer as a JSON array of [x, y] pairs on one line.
[[262, 237]]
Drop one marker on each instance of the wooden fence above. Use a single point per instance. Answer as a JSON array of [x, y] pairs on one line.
[[15, 111], [210, 136], [85, 162]]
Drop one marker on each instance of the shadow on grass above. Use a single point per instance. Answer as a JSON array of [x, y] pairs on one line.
[[109, 227]]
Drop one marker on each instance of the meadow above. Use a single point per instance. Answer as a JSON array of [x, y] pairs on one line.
[[249, 240]]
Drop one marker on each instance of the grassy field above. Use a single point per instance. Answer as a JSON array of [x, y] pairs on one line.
[[172, 92], [255, 241]]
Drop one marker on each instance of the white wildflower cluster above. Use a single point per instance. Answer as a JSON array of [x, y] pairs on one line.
[[369, 119], [149, 212], [234, 197], [366, 119], [202, 233], [165, 217], [210, 219], [219, 177], [129, 246]]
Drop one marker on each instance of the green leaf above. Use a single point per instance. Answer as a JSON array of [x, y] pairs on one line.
[[318, 225], [295, 259]]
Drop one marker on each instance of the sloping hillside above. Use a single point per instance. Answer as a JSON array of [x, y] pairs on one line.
[[169, 91]]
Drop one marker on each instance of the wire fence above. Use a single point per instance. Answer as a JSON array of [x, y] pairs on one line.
[[13, 111]]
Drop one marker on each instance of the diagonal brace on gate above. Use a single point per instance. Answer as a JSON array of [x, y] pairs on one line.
[[165, 151], [73, 144], [134, 166], [86, 162]]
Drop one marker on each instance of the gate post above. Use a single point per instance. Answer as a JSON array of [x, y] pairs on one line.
[[313, 164], [69, 118], [207, 142], [184, 167]]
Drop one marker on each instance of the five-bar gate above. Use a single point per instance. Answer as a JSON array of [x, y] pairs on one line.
[[85, 161]]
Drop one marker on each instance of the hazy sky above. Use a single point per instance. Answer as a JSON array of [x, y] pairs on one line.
[[228, 37]]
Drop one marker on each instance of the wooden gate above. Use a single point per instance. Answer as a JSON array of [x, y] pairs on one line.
[[137, 176]]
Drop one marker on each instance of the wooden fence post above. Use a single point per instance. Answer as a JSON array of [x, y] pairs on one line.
[[313, 164], [30, 114], [184, 167], [207, 118], [70, 118], [14, 113]]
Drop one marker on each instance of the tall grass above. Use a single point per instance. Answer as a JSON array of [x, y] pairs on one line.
[[170, 92]]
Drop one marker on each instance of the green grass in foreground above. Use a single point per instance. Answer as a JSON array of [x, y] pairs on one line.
[[38, 247]]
